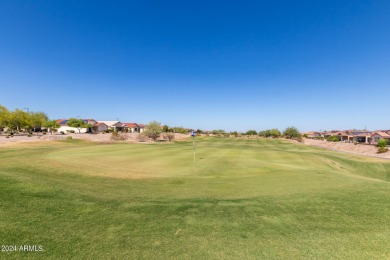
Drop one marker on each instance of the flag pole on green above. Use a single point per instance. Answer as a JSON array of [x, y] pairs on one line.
[[193, 142]]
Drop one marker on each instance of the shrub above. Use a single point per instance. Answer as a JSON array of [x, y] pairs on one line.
[[29, 135], [62, 132], [69, 138], [383, 149], [170, 136], [71, 131], [300, 139], [115, 136], [141, 138], [251, 132], [382, 143], [291, 132], [44, 133], [153, 130], [333, 138]]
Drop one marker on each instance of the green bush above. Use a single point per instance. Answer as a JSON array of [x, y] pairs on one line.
[[291, 132], [71, 131], [333, 138], [69, 138], [383, 149], [382, 143], [29, 135]]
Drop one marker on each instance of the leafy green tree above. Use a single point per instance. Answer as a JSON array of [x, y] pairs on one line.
[[234, 133], [4, 117], [382, 146], [38, 119], [18, 120], [52, 125], [178, 129], [77, 123], [165, 128], [332, 138], [153, 130], [382, 143], [251, 132], [291, 133], [275, 133], [218, 132]]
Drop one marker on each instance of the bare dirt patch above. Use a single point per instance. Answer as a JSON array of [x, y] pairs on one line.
[[101, 138], [362, 149]]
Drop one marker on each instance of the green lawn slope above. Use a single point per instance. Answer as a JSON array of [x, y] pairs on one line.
[[243, 198]]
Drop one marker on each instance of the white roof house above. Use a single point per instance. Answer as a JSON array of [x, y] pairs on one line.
[[116, 125]]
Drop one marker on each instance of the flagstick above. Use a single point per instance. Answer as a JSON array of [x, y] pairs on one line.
[[193, 144]]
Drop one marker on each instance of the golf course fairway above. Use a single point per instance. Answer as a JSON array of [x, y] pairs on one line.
[[242, 199]]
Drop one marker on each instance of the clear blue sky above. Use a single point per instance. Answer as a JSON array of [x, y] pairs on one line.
[[233, 65]]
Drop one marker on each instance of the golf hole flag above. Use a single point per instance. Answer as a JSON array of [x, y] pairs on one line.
[[193, 142]]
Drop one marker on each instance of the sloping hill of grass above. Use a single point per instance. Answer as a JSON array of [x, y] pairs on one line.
[[243, 198]]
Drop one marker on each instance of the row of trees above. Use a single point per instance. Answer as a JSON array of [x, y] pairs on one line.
[[18, 120]]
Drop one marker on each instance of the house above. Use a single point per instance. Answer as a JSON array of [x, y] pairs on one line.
[[345, 136], [114, 125], [379, 135], [131, 127], [312, 134], [99, 127], [65, 128], [361, 136], [134, 127], [141, 128]]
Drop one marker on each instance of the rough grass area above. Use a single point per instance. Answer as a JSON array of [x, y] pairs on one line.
[[243, 198]]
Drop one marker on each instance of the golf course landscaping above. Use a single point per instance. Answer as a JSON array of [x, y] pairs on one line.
[[243, 198]]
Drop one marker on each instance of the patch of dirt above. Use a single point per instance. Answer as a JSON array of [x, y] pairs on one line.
[[361, 149], [101, 138]]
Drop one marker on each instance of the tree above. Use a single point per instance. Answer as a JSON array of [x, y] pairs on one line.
[[18, 120], [77, 123], [153, 130], [251, 132], [170, 136], [234, 133], [165, 128], [52, 125], [275, 133], [38, 119], [218, 132], [291, 132], [199, 131], [382, 146], [4, 117]]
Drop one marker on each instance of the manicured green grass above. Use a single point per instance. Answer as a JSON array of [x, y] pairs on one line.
[[243, 198]]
